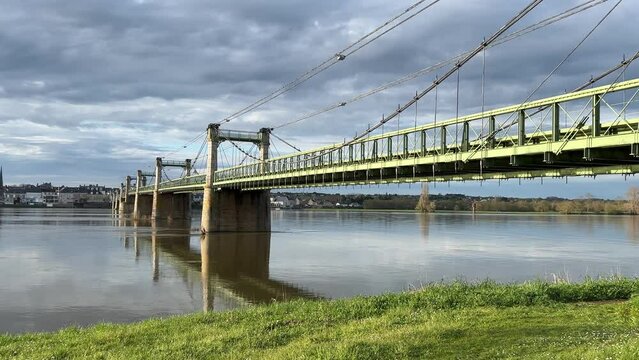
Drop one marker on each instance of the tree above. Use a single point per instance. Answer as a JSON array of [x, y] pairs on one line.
[[588, 202], [424, 204], [632, 200]]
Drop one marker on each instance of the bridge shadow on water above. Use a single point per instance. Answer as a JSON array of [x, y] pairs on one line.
[[233, 268]]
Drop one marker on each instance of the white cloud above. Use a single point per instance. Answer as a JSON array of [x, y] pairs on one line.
[[35, 84], [21, 151]]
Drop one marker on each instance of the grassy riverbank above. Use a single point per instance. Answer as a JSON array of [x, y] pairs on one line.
[[592, 320]]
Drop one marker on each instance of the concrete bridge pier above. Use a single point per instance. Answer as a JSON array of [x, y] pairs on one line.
[[234, 210], [114, 202], [170, 206], [126, 199], [120, 208], [238, 211], [143, 204]]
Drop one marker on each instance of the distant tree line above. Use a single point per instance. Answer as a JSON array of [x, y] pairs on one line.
[[587, 204]]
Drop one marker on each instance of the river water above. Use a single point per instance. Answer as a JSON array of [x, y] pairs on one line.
[[61, 267]]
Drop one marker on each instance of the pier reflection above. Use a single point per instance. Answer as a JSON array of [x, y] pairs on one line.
[[232, 268], [632, 228], [424, 225]]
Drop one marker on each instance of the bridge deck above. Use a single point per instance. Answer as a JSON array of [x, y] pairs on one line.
[[527, 142]]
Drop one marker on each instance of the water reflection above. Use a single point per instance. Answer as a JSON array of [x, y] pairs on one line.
[[66, 267], [424, 222], [233, 267], [632, 228], [173, 239]]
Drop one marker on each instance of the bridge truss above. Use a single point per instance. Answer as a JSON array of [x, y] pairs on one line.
[[558, 136]]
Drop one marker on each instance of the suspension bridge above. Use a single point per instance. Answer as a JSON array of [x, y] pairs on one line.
[[586, 132]]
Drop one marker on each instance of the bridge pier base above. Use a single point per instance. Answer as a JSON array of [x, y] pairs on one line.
[[171, 207], [236, 211], [115, 208], [143, 209], [125, 207]]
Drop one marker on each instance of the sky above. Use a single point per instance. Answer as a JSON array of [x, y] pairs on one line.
[[92, 90]]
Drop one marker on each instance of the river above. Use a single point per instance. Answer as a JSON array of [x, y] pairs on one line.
[[62, 267]]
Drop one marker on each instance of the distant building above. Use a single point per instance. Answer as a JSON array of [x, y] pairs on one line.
[[14, 196], [33, 197], [280, 202], [49, 195]]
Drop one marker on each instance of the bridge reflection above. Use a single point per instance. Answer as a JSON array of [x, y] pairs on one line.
[[233, 268]]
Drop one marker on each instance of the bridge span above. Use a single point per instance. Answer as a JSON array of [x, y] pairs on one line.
[[582, 133]]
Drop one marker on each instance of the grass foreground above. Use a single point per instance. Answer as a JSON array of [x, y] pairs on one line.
[[596, 319]]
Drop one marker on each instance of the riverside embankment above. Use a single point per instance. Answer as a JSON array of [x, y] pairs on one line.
[[595, 319]]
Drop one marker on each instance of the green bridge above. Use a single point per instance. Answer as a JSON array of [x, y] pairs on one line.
[[583, 133], [533, 144]]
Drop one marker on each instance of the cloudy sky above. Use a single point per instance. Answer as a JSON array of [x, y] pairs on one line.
[[91, 90]]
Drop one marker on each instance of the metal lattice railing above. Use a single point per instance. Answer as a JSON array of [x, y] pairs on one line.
[[472, 136]]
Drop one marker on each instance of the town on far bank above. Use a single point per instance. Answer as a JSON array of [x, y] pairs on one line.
[[47, 195], [99, 196]]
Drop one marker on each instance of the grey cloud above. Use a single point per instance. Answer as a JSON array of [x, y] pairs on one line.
[[149, 75]]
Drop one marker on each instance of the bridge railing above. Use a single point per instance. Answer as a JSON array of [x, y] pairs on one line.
[[193, 181], [557, 119], [147, 188]]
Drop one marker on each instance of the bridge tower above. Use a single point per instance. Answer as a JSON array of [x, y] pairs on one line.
[[167, 205], [114, 202], [143, 205], [236, 210], [126, 198]]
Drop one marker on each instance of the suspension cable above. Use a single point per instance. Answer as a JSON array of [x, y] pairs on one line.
[[457, 109], [453, 70], [165, 174], [276, 150], [247, 156], [507, 38], [197, 156], [340, 56], [201, 134], [223, 151], [571, 53], [435, 117], [244, 152], [285, 142], [505, 124], [483, 103], [533, 4]]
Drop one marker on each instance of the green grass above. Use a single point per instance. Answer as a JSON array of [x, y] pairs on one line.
[[596, 319]]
